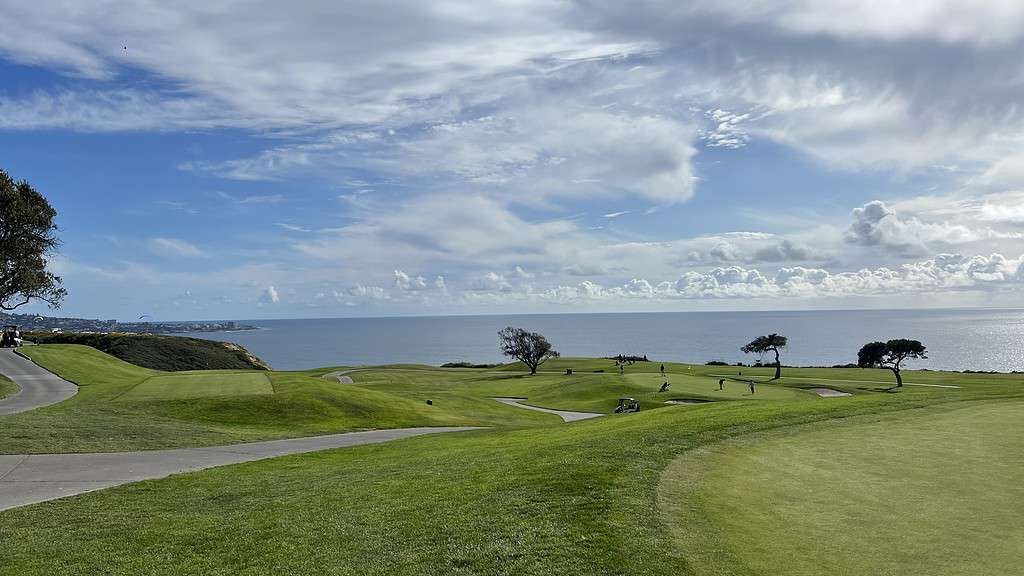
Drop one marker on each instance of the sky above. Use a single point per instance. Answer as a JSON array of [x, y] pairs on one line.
[[259, 159]]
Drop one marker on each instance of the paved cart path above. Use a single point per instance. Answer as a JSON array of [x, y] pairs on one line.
[[27, 479], [565, 414], [38, 387]]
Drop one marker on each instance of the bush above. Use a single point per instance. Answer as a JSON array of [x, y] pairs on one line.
[[716, 363], [467, 365], [159, 352]]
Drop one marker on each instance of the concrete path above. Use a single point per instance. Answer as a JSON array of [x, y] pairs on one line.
[[27, 479], [565, 414], [38, 387], [340, 376]]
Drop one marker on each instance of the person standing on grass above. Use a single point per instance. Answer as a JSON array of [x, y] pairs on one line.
[[662, 369], [751, 387], [721, 383]]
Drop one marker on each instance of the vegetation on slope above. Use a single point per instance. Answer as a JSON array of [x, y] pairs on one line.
[[159, 352]]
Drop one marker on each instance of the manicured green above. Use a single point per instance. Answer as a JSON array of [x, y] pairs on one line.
[[7, 387], [928, 492], [160, 352], [182, 385]]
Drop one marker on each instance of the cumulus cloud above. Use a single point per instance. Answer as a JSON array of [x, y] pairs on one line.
[[406, 282], [492, 282], [749, 248], [942, 273], [875, 224], [270, 296], [368, 292]]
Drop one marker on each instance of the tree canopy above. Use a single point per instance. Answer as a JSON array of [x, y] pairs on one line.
[[530, 348], [764, 344], [27, 240], [890, 355]]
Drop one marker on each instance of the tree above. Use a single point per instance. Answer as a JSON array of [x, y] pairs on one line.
[[530, 348], [26, 241], [764, 344], [890, 355]]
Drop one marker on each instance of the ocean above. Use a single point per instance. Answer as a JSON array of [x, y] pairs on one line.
[[957, 339]]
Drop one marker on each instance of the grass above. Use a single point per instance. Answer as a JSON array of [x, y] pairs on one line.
[[929, 492], [7, 387], [120, 406], [183, 385], [531, 496], [563, 499]]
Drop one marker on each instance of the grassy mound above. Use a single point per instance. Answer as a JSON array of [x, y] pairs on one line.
[[170, 353]]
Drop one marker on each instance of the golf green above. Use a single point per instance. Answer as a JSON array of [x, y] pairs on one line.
[[199, 385], [936, 491]]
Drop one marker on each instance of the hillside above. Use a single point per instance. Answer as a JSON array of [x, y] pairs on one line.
[[168, 353]]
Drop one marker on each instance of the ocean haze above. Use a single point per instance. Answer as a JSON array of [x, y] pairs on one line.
[[957, 339]]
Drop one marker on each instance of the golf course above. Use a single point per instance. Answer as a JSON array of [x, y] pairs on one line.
[[927, 478]]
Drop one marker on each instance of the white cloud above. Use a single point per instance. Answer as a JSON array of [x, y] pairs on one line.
[[942, 273], [406, 282], [492, 282], [293, 227], [875, 224], [368, 292], [176, 247], [270, 296]]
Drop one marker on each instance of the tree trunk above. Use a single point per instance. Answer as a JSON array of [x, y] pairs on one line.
[[778, 366], [533, 369], [899, 378]]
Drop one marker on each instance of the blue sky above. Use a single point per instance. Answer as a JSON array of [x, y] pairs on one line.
[[248, 160]]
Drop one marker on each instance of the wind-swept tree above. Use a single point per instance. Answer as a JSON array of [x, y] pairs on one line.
[[26, 241], [890, 355], [765, 344], [530, 348]]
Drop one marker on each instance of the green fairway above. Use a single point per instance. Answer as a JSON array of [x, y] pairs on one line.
[[531, 495], [929, 492], [7, 387], [705, 387], [199, 385]]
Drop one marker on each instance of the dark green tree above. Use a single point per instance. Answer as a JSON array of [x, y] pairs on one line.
[[890, 355], [27, 240], [765, 344], [530, 348]]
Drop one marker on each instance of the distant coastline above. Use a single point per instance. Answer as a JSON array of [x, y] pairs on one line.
[[33, 322]]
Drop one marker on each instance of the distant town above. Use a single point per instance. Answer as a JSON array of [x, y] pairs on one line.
[[34, 322]]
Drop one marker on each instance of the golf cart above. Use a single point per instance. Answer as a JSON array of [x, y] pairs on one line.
[[627, 405], [10, 337]]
